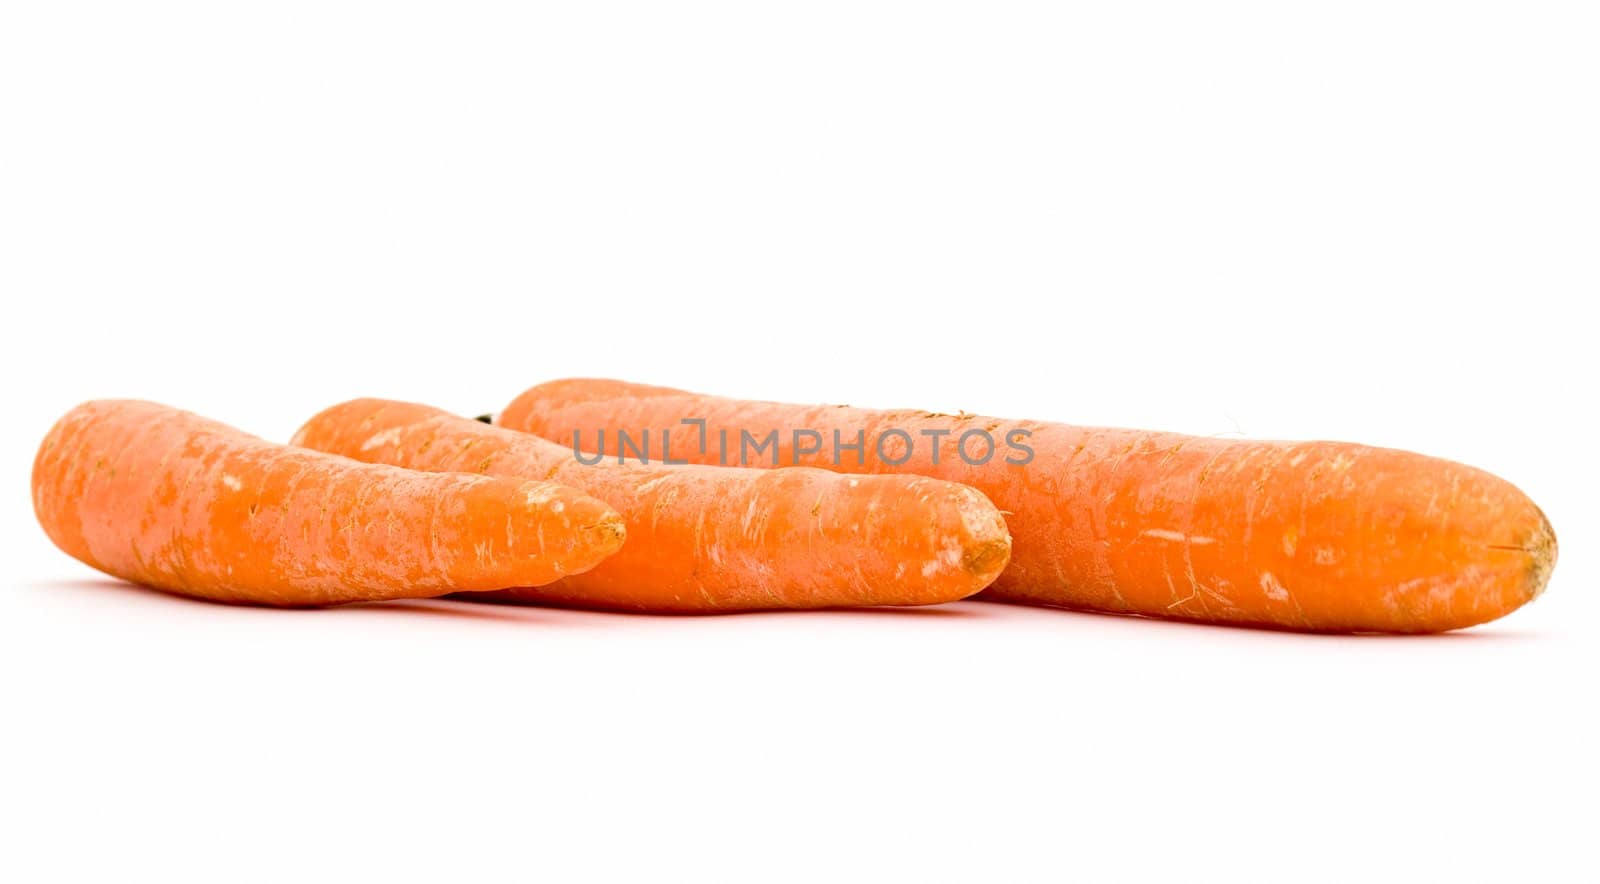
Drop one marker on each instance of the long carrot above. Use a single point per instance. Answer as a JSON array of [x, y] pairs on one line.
[[705, 539], [1322, 536], [169, 499]]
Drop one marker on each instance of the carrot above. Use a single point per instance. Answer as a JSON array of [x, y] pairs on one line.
[[706, 539], [1318, 536], [171, 500]]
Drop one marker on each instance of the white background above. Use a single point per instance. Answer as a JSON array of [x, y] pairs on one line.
[[1372, 221]]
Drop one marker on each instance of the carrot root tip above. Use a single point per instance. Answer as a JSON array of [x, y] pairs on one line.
[[1542, 551], [987, 558]]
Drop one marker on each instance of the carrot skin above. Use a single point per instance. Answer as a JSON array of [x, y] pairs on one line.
[[171, 500], [1314, 536], [712, 539]]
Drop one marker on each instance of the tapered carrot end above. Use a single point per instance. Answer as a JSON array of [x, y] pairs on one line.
[[1497, 555], [983, 538], [607, 535], [987, 560], [1542, 552], [598, 530], [987, 539]]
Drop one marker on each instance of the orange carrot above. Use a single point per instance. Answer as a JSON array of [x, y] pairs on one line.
[[703, 539], [1320, 536], [169, 499]]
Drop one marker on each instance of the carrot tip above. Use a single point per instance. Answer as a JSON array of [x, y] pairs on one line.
[[1542, 551], [609, 534], [987, 558]]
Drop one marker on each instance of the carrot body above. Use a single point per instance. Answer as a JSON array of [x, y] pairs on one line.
[[1322, 536], [704, 539], [169, 499]]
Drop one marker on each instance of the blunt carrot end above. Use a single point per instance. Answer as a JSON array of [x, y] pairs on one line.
[[1543, 550], [988, 559]]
